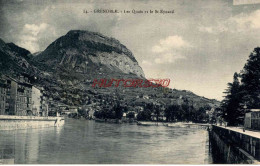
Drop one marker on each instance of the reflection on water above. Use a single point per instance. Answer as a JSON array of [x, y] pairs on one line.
[[81, 141]]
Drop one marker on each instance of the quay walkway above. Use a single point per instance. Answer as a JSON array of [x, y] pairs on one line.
[[251, 133], [236, 145]]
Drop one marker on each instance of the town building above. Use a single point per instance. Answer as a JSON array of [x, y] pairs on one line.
[[90, 109], [5, 86], [44, 104], [73, 109], [145, 97], [124, 116], [91, 113], [64, 109], [2, 98], [160, 117], [252, 119], [53, 107], [36, 101], [20, 97], [39, 102]]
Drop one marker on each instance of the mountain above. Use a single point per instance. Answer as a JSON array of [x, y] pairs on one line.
[[19, 50], [15, 60], [67, 67], [90, 54]]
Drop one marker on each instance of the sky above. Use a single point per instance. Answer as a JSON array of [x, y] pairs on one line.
[[199, 46]]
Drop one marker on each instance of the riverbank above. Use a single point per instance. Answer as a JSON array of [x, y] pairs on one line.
[[174, 124], [232, 145], [9, 122], [118, 121]]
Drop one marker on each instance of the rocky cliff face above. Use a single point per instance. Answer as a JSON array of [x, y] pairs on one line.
[[90, 53], [14, 59]]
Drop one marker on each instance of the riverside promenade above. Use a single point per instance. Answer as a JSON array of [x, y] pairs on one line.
[[234, 145], [251, 133], [9, 122]]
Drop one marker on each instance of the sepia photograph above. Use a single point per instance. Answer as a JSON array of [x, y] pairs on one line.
[[129, 82]]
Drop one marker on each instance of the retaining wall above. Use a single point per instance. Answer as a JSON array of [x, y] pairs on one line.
[[233, 147], [8, 122]]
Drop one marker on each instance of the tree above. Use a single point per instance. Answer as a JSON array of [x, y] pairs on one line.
[[157, 111], [184, 112], [232, 108], [130, 115], [83, 112], [244, 93], [171, 112], [118, 109], [201, 115], [144, 115], [250, 80]]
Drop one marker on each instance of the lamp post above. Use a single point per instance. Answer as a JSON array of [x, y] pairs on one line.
[[225, 123], [245, 109]]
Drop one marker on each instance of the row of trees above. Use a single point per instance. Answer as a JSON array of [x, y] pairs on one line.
[[116, 112], [244, 92], [184, 112]]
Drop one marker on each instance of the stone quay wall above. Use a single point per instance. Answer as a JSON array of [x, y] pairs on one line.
[[8, 122], [233, 147]]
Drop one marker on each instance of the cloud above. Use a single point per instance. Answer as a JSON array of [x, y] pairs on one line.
[[31, 35], [221, 27], [34, 29], [206, 29], [170, 49], [171, 42], [239, 23], [251, 20], [144, 62], [168, 58]]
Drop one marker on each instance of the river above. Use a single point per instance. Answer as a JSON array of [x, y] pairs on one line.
[[87, 142]]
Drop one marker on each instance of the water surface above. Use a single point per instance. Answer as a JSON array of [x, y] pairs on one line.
[[87, 142]]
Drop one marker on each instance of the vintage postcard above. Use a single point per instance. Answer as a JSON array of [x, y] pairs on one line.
[[129, 82]]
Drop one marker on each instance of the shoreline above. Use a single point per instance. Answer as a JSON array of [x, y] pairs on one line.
[[9, 122]]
